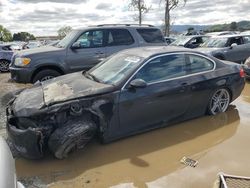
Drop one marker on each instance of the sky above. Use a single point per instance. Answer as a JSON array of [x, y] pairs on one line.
[[45, 17]]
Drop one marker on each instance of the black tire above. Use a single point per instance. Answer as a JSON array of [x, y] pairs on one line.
[[4, 65], [219, 101], [45, 75], [75, 134]]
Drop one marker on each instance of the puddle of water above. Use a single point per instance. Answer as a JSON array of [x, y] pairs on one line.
[[246, 92], [137, 159]]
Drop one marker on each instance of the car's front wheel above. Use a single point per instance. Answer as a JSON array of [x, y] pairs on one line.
[[46, 74], [4, 65], [75, 134], [219, 101]]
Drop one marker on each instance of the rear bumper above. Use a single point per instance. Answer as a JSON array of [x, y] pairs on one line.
[[22, 75], [247, 71]]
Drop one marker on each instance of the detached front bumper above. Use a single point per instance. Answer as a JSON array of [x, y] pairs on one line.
[[28, 142]]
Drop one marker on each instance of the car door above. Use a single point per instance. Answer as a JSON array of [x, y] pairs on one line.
[[165, 98], [119, 39], [91, 50], [202, 81], [234, 53]]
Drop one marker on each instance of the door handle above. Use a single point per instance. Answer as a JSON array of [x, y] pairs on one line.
[[183, 87], [184, 84], [99, 53]]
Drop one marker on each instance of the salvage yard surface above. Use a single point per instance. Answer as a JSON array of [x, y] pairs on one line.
[[219, 144]]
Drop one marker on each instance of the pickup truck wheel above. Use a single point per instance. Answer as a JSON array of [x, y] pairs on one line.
[[4, 65], [45, 75], [75, 134]]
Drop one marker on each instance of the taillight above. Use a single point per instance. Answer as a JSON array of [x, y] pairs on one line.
[[242, 73]]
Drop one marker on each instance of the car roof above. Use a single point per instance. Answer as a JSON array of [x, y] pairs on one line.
[[229, 36], [109, 26], [149, 51]]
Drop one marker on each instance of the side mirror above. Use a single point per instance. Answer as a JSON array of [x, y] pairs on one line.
[[233, 45], [138, 83], [76, 45]]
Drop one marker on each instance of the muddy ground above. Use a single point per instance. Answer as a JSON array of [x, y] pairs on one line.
[[219, 143]]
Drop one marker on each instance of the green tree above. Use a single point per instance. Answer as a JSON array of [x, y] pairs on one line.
[[233, 26], [169, 6], [23, 36], [141, 7], [5, 34], [63, 31]]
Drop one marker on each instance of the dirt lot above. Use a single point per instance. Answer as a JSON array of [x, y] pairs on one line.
[[219, 143]]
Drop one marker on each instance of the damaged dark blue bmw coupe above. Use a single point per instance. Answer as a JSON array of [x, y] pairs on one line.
[[130, 92]]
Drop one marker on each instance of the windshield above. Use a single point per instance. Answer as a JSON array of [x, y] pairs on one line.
[[115, 69], [66, 40], [215, 43], [181, 41]]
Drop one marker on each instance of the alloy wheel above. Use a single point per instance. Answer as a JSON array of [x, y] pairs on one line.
[[220, 101]]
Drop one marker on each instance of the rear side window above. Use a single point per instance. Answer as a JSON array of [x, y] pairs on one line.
[[117, 37], [198, 64], [163, 68], [151, 35]]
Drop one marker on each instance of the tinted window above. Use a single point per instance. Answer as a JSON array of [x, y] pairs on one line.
[[198, 64], [91, 39], [151, 35], [119, 37], [236, 40], [162, 68]]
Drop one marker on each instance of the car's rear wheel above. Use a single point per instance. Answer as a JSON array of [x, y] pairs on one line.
[[46, 74], [4, 65], [75, 134], [219, 101]]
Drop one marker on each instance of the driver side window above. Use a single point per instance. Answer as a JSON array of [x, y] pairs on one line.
[[163, 68], [91, 39]]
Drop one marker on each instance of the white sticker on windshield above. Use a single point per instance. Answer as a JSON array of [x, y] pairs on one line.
[[132, 59]]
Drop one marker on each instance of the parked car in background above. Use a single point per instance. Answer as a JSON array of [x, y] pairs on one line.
[[169, 40], [222, 33], [7, 167], [234, 48], [192, 41], [32, 44], [80, 50], [132, 91], [247, 67], [5, 57], [245, 32]]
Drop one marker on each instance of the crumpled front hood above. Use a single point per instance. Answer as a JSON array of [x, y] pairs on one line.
[[67, 87], [71, 86], [29, 101]]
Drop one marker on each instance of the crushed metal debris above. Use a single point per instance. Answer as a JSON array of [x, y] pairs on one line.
[[189, 162]]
